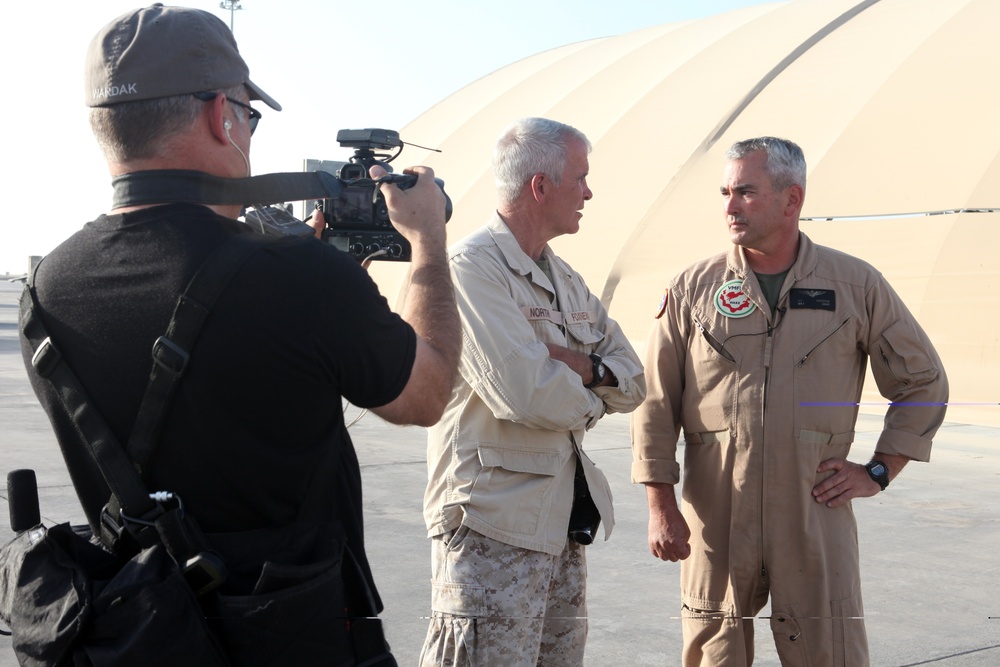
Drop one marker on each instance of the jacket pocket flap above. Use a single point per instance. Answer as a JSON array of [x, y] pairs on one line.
[[584, 333], [520, 460], [905, 343]]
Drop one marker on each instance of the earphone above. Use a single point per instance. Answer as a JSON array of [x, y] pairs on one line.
[[227, 125]]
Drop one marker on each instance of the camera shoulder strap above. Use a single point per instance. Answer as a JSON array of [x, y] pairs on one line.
[[181, 186]]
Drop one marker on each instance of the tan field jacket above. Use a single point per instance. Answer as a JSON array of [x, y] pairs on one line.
[[502, 459]]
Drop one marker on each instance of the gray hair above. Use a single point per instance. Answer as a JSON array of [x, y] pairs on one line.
[[531, 146], [786, 165], [139, 130]]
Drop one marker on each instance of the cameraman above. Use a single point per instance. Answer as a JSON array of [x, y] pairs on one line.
[[255, 442]]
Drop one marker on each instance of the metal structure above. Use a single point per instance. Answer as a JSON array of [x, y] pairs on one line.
[[889, 99], [232, 6]]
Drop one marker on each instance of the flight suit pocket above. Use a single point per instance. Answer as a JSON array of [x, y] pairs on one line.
[[705, 469], [824, 445], [899, 359], [513, 486], [789, 640], [718, 347], [704, 611], [707, 486], [827, 372], [711, 629], [850, 641], [715, 374]]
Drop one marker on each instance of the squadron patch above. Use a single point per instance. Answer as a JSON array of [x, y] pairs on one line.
[[662, 308], [732, 301]]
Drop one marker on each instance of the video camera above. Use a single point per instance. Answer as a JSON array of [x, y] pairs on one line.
[[357, 220]]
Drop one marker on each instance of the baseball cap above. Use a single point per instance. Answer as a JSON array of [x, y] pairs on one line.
[[164, 51]]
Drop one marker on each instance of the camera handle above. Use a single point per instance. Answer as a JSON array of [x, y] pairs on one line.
[[403, 181], [407, 181]]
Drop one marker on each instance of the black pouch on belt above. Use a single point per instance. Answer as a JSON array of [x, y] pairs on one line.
[[585, 518]]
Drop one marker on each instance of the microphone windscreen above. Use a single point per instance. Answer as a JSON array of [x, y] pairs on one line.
[[22, 497]]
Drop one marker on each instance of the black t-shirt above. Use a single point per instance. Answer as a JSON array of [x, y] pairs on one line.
[[255, 435]]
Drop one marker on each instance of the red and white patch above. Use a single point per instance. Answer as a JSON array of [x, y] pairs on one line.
[[662, 308], [732, 301]]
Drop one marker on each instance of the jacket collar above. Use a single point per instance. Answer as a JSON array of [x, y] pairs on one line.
[[805, 262], [516, 258]]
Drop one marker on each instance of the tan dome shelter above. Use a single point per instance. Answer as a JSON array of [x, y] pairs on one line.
[[893, 102]]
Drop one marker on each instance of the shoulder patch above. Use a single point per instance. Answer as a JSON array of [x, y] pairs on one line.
[[732, 301], [662, 308]]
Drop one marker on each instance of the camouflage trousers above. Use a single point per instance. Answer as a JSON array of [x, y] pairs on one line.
[[496, 605]]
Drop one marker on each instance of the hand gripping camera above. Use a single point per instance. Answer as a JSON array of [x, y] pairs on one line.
[[355, 213], [357, 221]]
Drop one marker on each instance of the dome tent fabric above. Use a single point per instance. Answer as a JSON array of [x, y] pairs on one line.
[[886, 97]]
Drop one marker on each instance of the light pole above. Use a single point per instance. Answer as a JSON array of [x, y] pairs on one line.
[[232, 6]]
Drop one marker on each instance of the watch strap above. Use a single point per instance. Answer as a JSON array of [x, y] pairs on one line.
[[598, 371], [879, 472]]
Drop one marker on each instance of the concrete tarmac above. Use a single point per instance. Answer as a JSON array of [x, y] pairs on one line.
[[929, 543]]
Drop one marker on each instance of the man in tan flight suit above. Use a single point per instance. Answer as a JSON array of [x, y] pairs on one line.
[[759, 354]]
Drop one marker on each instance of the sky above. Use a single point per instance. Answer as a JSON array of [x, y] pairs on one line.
[[331, 64]]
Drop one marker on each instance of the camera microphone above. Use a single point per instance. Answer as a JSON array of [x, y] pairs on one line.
[[22, 498]]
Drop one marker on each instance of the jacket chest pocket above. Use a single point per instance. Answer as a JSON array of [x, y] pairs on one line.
[[514, 486], [712, 365], [827, 374], [584, 335]]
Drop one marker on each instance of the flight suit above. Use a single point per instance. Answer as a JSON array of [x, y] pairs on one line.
[[762, 399]]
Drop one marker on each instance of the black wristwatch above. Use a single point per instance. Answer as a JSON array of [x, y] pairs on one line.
[[599, 371], [879, 472]]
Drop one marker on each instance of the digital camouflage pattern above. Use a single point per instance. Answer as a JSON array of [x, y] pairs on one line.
[[496, 604]]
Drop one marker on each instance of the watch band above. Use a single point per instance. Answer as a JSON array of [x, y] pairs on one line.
[[598, 372], [879, 472]]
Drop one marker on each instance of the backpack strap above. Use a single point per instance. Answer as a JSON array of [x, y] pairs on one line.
[[91, 428], [131, 508], [172, 351]]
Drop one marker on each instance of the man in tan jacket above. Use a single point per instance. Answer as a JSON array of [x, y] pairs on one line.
[[759, 355], [541, 363]]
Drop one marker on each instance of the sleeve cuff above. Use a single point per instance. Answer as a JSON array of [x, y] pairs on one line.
[[660, 471], [914, 447]]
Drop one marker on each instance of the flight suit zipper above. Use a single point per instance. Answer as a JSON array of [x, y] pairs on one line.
[[768, 357], [772, 326], [714, 343], [815, 347]]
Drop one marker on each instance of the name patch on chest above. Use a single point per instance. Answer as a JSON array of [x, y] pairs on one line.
[[534, 313], [813, 299]]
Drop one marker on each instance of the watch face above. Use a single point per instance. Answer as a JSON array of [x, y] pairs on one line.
[[878, 469]]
